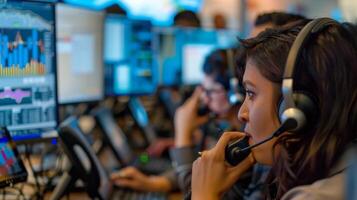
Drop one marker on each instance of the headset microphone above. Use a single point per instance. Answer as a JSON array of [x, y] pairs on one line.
[[238, 150]]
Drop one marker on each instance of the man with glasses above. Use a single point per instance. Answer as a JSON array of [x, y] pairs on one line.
[[192, 127]]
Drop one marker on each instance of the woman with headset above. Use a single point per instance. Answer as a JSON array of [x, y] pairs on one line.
[[301, 79]]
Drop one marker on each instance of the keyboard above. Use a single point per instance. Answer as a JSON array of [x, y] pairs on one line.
[[126, 194]]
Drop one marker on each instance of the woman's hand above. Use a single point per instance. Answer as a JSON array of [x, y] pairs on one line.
[[211, 175], [132, 178], [187, 120]]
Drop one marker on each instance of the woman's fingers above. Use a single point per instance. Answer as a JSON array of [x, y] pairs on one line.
[[235, 172], [194, 99], [225, 139]]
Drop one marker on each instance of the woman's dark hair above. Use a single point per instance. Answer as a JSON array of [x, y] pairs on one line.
[[216, 65], [277, 18], [327, 69]]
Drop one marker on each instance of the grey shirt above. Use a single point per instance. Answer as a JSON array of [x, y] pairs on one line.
[[330, 188]]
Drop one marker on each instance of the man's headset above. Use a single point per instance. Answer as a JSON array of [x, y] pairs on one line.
[[235, 96], [297, 110]]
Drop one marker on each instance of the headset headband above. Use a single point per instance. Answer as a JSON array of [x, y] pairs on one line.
[[313, 27]]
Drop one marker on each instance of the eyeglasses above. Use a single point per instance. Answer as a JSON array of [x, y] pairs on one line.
[[210, 92]]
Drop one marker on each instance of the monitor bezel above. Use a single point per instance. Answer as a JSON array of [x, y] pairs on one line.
[[88, 101], [52, 4]]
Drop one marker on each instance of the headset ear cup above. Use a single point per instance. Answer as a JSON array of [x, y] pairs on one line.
[[308, 107], [307, 104]]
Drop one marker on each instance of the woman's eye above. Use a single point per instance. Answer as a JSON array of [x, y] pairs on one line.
[[249, 94]]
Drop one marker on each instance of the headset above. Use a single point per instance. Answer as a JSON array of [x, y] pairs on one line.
[[297, 109], [235, 95]]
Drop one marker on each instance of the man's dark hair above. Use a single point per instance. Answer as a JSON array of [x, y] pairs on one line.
[[116, 9], [187, 16], [216, 65], [277, 18]]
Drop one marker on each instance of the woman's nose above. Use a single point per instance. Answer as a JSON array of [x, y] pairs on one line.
[[243, 114]]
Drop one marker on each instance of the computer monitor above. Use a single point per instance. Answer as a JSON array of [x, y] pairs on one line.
[[181, 52], [130, 66], [28, 97], [79, 54], [12, 169], [193, 57], [196, 45]]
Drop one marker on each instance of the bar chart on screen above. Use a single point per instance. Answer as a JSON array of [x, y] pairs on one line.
[[22, 56], [27, 69]]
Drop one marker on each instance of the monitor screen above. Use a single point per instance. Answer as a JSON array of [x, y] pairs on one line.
[[12, 169], [130, 66], [79, 54], [115, 29], [166, 56], [181, 52], [193, 57], [28, 98]]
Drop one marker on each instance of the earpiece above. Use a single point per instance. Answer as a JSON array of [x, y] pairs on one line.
[[305, 112], [235, 97]]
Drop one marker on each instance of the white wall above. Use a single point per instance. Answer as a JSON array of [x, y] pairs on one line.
[[310, 8], [349, 9]]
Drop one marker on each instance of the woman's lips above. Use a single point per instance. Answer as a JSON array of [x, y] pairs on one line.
[[247, 134]]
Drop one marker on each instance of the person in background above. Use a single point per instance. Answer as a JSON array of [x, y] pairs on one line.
[[212, 93], [115, 9], [170, 96], [219, 21], [187, 18], [309, 164]]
